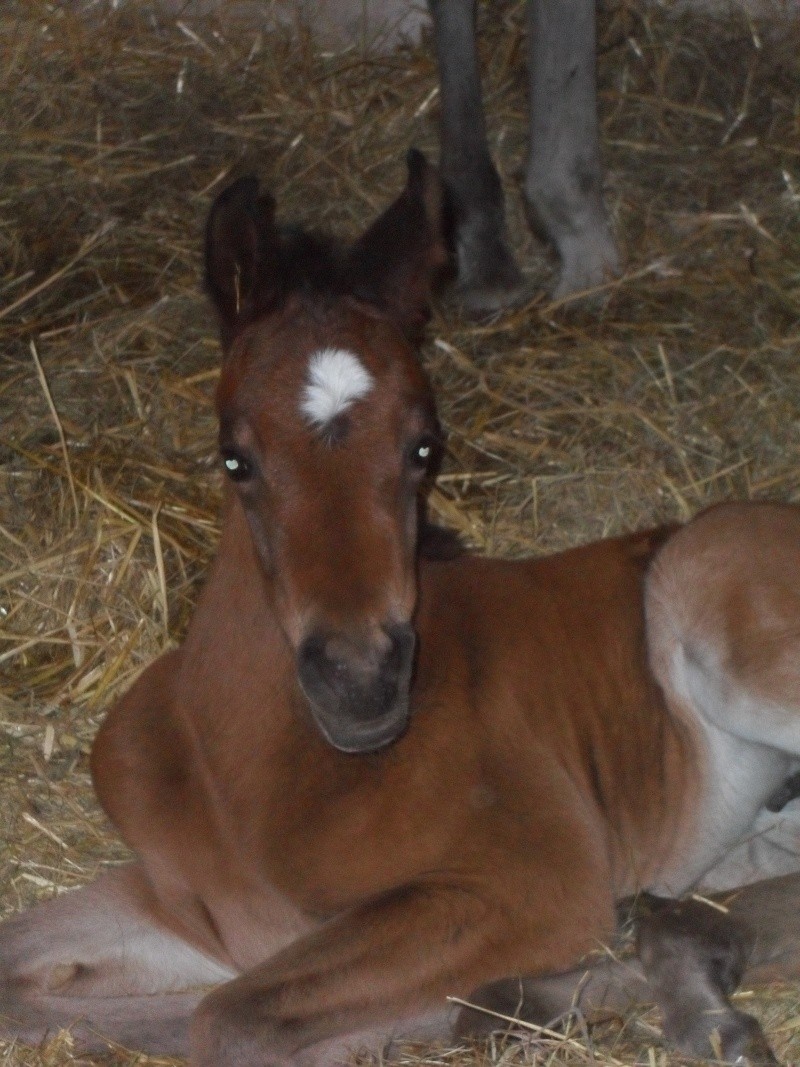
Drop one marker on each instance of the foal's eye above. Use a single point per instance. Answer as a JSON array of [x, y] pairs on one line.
[[237, 467], [423, 453]]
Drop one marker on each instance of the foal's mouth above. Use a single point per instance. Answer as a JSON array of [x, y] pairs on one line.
[[358, 698], [361, 741]]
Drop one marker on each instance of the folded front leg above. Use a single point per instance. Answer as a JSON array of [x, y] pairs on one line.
[[390, 962]]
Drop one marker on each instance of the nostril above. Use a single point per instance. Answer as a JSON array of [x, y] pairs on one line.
[[385, 650], [400, 633], [403, 639], [312, 650], [322, 654]]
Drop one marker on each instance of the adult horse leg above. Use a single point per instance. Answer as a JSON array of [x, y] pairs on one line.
[[488, 277], [564, 180], [103, 962]]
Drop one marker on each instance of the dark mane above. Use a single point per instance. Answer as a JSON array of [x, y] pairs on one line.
[[309, 263], [253, 264]]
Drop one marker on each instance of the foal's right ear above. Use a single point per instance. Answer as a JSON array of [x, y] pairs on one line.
[[241, 251]]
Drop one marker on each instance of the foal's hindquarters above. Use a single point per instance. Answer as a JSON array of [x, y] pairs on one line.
[[723, 625]]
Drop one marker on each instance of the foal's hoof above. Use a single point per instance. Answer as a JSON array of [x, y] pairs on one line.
[[722, 1034], [747, 1045]]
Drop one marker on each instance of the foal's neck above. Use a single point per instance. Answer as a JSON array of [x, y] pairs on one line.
[[235, 643]]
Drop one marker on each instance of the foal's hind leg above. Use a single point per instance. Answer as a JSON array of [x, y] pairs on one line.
[[694, 956], [770, 913], [723, 627], [690, 958], [100, 962]]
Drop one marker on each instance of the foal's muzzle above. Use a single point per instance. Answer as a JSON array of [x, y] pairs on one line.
[[358, 693]]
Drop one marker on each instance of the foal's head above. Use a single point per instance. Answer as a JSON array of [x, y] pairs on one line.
[[328, 433]]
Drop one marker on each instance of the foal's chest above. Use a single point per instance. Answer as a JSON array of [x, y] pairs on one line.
[[348, 829]]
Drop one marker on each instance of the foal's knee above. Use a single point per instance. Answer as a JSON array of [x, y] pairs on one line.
[[235, 1027]]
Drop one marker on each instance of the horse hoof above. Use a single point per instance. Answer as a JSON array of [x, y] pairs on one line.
[[483, 301], [488, 279], [587, 268], [496, 284]]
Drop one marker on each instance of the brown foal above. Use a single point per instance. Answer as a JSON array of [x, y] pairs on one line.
[[373, 777]]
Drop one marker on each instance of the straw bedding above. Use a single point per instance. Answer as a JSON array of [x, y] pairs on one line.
[[679, 387]]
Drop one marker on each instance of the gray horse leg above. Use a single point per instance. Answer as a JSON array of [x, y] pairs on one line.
[[488, 277], [563, 183]]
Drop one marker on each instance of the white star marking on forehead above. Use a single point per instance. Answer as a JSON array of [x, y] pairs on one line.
[[336, 378]]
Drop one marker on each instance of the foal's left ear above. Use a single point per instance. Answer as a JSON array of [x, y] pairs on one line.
[[395, 265], [241, 251]]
